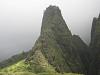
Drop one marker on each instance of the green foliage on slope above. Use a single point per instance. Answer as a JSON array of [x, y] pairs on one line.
[[24, 67], [21, 68], [29, 73], [14, 59], [17, 67]]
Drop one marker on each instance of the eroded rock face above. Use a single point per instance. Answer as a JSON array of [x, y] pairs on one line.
[[55, 43]]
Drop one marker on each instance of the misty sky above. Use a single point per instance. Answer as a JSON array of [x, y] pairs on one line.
[[20, 21]]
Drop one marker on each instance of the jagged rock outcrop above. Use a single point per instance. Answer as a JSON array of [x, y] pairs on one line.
[[56, 44], [95, 47]]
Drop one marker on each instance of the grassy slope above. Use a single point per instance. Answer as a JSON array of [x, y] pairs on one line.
[[22, 68], [29, 73]]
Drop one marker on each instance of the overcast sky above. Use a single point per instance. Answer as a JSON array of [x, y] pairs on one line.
[[20, 21]]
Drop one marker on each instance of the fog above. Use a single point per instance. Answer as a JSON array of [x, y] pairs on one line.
[[20, 21]]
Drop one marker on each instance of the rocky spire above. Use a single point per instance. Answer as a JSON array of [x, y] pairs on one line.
[[95, 47], [55, 43], [53, 18]]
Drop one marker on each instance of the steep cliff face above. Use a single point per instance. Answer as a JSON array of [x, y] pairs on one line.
[[95, 34], [55, 43], [83, 51], [95, 47]]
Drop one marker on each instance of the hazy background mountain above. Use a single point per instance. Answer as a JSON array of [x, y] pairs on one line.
[[20, 21]]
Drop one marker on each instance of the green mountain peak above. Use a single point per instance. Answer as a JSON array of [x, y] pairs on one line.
[[55, 43]]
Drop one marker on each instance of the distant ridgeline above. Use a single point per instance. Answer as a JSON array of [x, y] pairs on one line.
[[57, 50], [13, 59]]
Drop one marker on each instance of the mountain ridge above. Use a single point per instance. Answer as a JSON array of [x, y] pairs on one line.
[[57, 50], [55, 42]]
